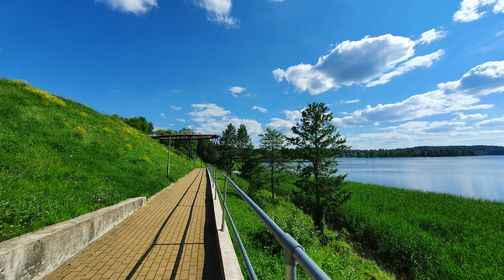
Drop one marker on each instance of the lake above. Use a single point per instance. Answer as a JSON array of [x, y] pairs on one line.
[[476, 177]]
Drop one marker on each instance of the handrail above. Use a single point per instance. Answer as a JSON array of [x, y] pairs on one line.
[[293, 251]]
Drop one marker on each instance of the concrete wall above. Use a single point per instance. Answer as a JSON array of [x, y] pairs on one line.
[[229, 260], [34, 255]]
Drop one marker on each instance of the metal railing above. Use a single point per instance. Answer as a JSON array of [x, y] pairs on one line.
[[293, 252]]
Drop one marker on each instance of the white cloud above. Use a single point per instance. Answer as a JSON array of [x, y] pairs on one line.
[[285, 125], [471, 10], [212, 118], [219, 11], [450, 135], [431, 35], [207, 110], [424, 61], [494, 121], [130, 6], [236, 90], [180, 120], [175, 108], [370, 61], [469, 117], [484, 79], [455, 96], [417, 106], [162, 115], [260, 109], [351, 101]]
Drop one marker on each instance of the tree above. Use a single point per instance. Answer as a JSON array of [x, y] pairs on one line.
[[273, 142], [139, 123], [248, 161], [318, 142], [227, 143]]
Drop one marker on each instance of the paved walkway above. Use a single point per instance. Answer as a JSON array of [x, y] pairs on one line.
[[172, 237]]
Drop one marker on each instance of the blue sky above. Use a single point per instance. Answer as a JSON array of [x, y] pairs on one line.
[[395, 73]]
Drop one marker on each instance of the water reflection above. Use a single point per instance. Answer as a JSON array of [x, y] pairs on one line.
[[478, 177]]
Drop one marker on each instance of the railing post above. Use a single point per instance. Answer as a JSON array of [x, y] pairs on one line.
[[225, 203], [215, 182], [290, 265]]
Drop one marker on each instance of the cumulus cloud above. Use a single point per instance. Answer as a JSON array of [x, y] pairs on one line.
[[484, 79], [417, 106], [285, 125], [451, 97], [424, 61], [471, 10], [370, 61], [431, 35], [175, 108], [162, 115], [180, 120], [212, 118], [260, 109], [236, 90], [219, 11], [130, 6]]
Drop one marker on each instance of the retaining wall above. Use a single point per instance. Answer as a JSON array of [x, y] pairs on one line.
[[34, 255]]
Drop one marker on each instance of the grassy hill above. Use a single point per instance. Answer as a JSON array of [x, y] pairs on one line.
[[60, 159]]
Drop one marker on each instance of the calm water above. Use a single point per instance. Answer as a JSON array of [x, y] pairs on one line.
[[478, 177]]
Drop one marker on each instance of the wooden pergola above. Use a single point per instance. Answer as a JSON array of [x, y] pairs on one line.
[[175, 136]]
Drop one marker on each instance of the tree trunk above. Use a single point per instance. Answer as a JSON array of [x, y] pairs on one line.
[[272, 182]]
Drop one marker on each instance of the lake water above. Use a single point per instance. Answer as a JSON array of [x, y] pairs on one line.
[[477, 177]]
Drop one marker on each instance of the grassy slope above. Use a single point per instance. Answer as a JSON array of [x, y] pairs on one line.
[[337, 259], [434, 236], [60, 159]]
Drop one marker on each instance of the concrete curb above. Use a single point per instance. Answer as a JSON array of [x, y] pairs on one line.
[[229, 261], [35, 255]]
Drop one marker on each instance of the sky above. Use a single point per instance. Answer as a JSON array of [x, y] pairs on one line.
[[394, 73]]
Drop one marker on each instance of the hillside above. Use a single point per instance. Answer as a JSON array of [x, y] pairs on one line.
[[60, 159]]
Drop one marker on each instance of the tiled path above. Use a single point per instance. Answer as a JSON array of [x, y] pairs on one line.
[[172, 237]]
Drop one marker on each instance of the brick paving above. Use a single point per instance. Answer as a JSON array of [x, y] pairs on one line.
[[172, 237]]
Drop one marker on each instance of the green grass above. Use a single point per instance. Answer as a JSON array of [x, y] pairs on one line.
[[336, 257], [60, 159], [428, 235]]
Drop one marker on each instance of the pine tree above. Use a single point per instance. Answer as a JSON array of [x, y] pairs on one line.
[[318, 142], [227, 144]]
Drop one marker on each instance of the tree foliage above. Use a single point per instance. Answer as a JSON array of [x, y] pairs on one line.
[[318, 142], [273, 143], [139, 123]]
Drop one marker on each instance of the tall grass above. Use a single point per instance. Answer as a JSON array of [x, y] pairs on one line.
[[335, 257], [428, 235], [60, 159]]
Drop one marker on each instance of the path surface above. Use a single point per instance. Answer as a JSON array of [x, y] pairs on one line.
[[172, 237]]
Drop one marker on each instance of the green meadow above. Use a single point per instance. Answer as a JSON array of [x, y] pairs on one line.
[[334, 255], [60, 159], [427, 235]]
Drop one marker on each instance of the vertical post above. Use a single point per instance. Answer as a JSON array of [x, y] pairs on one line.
[[215, 181], [290, 265], [169, 158], [225, 203]]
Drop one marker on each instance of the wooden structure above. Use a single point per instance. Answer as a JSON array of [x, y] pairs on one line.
[[176, 136]]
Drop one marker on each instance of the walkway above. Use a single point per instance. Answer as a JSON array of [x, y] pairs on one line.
[[172, 237]]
